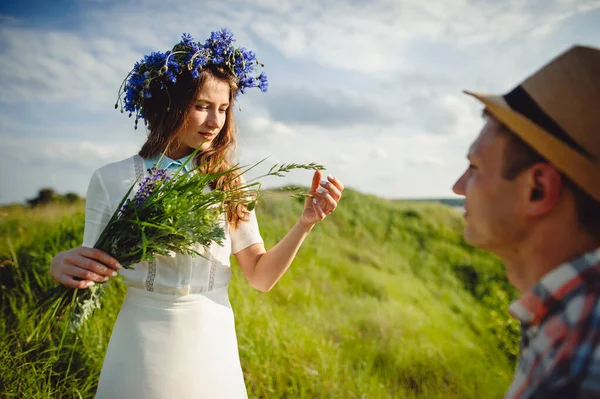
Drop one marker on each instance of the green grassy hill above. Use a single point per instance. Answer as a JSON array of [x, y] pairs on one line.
[[385, 300]]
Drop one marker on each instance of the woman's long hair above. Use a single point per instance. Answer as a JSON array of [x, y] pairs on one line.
[[166, 115]]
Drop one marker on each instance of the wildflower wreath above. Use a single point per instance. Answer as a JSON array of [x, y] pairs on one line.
[[193, 56]]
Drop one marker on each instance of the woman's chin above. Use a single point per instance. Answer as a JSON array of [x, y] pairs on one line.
[[205, 146]]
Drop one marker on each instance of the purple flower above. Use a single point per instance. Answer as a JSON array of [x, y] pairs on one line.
[[148, 185]]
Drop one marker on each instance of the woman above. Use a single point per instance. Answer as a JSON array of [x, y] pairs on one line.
[[175, 334]]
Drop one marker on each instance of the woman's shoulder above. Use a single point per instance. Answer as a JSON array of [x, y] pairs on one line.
[[117, 177], [122, 167]]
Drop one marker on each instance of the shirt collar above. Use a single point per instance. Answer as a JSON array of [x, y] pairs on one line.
[[168, 163], [554, 287]]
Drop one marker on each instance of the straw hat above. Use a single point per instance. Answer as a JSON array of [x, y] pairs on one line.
[[557, 112]]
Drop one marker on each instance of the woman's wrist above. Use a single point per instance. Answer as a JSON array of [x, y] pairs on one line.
[[304, 226]]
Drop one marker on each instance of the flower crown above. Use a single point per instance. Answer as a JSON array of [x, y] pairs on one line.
[[218, 50]]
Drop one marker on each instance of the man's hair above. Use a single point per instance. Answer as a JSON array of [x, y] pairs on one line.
[[519, 156]]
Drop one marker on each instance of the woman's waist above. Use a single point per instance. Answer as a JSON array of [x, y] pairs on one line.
[[172, 289], [177, 279], [164, 298]]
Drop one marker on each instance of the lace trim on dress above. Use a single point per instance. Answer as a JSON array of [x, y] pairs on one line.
[[213, 270], [151, 275], [139, 175], [139, 167]]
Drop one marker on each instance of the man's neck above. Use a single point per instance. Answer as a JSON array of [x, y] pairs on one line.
[[542, 252]]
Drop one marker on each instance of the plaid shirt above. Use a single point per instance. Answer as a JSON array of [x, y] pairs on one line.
[[560, 325]]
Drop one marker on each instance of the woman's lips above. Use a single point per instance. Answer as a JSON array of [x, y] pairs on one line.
[[208, 136]]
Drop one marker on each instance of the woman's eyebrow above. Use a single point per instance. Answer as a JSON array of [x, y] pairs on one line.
[[200, 100]]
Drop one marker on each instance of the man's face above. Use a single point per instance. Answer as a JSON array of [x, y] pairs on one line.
[[491, 213]]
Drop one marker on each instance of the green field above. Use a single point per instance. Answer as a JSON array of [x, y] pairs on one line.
[[384, 300]]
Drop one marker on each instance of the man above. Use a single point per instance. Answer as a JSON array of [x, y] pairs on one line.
[[532, 196]]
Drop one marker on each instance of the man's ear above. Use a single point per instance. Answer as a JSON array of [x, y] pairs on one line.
[[543, 186]]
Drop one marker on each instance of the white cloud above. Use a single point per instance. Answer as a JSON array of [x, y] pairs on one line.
[[440, 113], [381, 36], [264, 127], [372, 37], [327, 106], [393, 163], [60, 66], [370, 89], [28, 165], [378, 36], [84, 154]]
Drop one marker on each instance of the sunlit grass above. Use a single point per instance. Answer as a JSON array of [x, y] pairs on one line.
[[385, 300]]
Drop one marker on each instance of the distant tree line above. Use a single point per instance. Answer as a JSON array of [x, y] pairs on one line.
[[50, 196], [455, 202]]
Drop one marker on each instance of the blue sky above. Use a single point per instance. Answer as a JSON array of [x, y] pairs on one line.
[[372, 90]]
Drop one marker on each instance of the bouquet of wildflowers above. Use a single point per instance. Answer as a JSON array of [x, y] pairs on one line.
[[168, 213]]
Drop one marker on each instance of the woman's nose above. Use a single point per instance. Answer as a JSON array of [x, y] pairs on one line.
[[212, 119]]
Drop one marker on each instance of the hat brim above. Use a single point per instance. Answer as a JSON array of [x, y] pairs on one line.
[[583, 171]]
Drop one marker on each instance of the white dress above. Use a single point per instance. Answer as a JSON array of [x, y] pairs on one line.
[[175, 334]]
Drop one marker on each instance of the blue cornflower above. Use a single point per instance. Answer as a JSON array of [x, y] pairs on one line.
[[173, 65], [171, 76], [223, 36], [186, 39], [263, 84], [245, 83], [248, 58]]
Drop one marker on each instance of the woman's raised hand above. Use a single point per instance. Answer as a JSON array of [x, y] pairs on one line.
[[327, 192], [81, 267]]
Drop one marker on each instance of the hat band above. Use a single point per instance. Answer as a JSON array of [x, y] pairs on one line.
[[519, 100]]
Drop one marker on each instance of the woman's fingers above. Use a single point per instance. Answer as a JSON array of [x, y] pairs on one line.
[[318, 210], [338, 184], [331, 186], [325, 201], [315, 181], [70, 282], [91, 265], [80, 267], [100, 256], [326, 194], [83, 274], [328, 187]]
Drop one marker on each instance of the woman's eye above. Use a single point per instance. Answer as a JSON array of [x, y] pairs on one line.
[[202, 107], [223, 110]]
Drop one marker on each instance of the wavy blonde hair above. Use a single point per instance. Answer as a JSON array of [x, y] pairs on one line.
[[166, 114]]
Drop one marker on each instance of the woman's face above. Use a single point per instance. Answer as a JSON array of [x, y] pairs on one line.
[[205, 118]]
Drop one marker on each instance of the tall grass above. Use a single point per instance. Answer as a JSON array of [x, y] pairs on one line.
[[384, 300]]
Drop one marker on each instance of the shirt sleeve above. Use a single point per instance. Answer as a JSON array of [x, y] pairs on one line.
[[97, 210], [246, 234]]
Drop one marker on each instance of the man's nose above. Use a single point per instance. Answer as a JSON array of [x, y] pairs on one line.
[[459, 186]]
